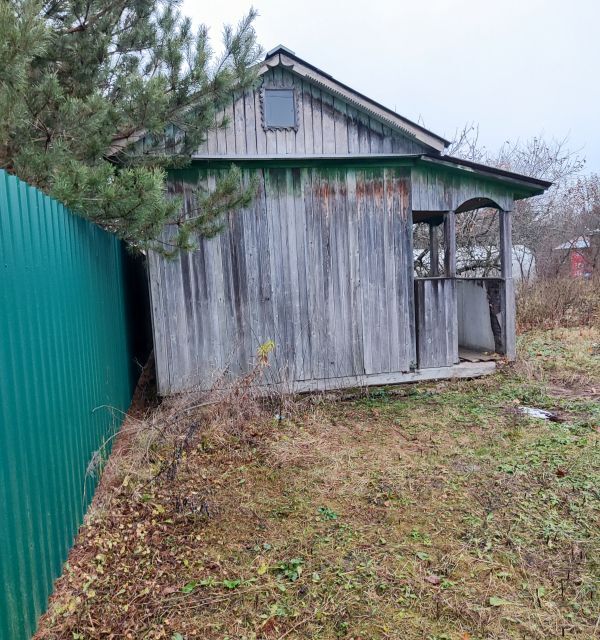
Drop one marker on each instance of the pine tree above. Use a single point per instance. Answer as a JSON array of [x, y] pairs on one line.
[[100, 98]]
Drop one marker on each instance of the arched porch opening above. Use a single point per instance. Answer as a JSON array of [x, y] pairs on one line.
[[464, 296]]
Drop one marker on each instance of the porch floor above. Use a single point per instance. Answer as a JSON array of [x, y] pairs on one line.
[[473, 355]]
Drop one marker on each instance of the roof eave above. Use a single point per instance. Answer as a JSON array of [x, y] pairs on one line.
[[526, 185]]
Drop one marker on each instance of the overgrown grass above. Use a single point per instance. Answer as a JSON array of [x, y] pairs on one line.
[[431, 511], [558, 302]]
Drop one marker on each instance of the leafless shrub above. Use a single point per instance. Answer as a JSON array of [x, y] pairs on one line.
[[151, 447], [558, 302]]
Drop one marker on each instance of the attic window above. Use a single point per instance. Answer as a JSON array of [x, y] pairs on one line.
[[279, 109]]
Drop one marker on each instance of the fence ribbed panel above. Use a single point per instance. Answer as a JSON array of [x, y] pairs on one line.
[[64, 379]]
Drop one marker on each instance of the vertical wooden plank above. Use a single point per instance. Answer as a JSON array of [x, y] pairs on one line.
[[340, 317], [273, 235], [299, 148], [328, 123], [450, 272], [453, 322], [364, 134], [317, 120], [352, 128], [393, 308], [370, 272], [376, 136], [380, 247], [280, 273], [264, 249], [234, 278], [261, 135], [434, 261], [505, 221], [202, 337], [358, 366], [230, 129], [307, 118], [314, 301], [406, 208], [239, 124], [421, 328], [220, 133], [250, 122], [398, 307], [318, 239], [292, 301], [450, 244], [330, 272], [508, 297], [401, 272], [303, 270], [387, 140], [340, 127], [219, 318], [159, 316]]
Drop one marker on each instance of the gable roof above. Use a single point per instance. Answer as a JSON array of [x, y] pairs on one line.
[[283, 56]]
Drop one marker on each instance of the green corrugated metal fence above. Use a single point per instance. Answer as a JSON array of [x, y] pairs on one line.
[[64, 359]]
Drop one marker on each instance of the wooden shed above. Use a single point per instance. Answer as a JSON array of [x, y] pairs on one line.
[[321, 262]]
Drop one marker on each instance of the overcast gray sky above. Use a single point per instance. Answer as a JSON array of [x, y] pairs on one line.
[[518, 68]]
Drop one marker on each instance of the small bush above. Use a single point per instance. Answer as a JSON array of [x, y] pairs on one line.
[[558, 302]]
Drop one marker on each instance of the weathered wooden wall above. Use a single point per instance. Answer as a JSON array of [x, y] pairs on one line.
[[320, 263], [326, 126], [437, 338]]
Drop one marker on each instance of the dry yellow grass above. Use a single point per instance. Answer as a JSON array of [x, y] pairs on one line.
[[423, 512]]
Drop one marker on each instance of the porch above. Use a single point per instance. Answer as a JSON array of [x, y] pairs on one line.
[[463, 319]]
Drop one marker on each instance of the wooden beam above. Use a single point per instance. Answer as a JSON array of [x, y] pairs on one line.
[[450, 244], [462, 370], [450, 272], [434, 259], [509, 331], [506, 243]]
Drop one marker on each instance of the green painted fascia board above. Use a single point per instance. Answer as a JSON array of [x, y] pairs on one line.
[[515, 185]]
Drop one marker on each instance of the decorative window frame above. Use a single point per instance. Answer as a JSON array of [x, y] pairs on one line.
[[267, 127]]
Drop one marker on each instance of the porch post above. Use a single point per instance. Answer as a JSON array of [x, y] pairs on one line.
[[450, 269], [434, 260], [509, 331], [450, 244]]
